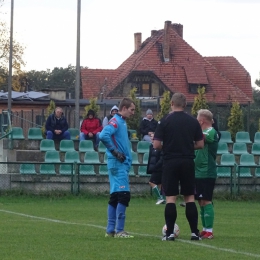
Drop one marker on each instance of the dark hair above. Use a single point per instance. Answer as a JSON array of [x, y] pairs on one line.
[[179, 100], [125, 102]]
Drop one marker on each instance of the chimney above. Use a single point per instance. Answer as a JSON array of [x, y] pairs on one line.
[[178, 28], [138, 41], [153, 32], [166, 41]]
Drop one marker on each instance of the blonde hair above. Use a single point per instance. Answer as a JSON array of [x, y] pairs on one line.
[[206, 114]]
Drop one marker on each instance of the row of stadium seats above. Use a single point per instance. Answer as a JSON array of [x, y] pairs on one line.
[[86, 146], [241, 137], [67, 169], [245, 167], [238, 148], [89, 157]]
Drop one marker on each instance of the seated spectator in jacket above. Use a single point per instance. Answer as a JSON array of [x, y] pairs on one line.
[[57, 126], [91, 128], [113, 111], [148, 126]]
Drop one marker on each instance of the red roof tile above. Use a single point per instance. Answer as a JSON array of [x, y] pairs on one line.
[[226, 78]]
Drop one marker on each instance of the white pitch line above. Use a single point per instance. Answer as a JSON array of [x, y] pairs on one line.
[[197, 243]]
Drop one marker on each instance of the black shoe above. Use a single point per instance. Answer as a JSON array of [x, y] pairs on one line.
[[169, 238], [195, 236]]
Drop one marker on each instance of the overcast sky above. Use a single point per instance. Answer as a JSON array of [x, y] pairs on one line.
[[48, 29]]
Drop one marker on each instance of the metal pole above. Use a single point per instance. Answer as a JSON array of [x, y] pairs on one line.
[[77, 85], [10, 60]]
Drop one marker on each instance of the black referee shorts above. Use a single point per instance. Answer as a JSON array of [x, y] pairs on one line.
[[178, 172]]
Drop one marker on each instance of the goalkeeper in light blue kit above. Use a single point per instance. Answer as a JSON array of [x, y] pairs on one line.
[[119, 160]]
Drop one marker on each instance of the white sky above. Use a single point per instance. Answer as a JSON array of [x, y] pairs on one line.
[[48, 29]]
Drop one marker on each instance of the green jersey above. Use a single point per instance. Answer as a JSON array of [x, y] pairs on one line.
[[205, 160]]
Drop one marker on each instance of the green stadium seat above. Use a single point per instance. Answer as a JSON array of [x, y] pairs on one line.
[[243, 137], [255, 149], [245, 172], [27, 168], [222, 148], [91, 157], [66, 145], [35, 133], [66, 169], [74, 133], [143, 147], [134, 158], [52, 156], [86, 169], [86, 146], [47, 145], [247, 159], [224, 171], [131, 147], [101, 148], [240, 148], [17, 133], [145, 158], [131, 132], [257, 172], [72, 156], [225, 137], [228, 159], [131, 171], [47, 169], [103, 169], [257, 137], [142, 170]]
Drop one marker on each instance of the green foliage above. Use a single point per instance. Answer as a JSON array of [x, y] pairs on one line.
[[62, 78], [134, 121], [165, 103], [235, 120], [93, 106], [200, 101], [50, 109]]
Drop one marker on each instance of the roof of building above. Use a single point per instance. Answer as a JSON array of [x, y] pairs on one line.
[[226, 79]]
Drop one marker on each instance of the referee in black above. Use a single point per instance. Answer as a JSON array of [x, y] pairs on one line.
[[178, 135]]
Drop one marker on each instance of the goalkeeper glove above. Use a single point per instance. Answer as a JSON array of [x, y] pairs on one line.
[[119, 156]]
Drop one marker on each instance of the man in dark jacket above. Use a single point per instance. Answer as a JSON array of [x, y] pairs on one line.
[[57, 126], [91, 128], [148, 126]]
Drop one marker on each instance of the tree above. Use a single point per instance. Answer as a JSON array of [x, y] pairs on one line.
[[165, 103], [134, 121], [200, 101], [92, 105], [50, 110], [235, 120], [18, 51], [63, 78]]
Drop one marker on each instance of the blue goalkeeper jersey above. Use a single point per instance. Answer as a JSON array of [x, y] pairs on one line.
[[115, 137]]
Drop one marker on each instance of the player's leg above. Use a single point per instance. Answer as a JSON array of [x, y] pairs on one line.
[[187, 182]]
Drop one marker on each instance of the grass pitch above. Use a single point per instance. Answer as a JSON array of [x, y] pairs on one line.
[[74, 228]]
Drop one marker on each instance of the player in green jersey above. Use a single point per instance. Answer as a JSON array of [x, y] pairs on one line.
[[205, 172]]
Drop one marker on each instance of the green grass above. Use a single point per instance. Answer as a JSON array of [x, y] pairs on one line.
[[74, 227]]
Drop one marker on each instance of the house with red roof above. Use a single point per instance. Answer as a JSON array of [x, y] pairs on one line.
[[166, 62]]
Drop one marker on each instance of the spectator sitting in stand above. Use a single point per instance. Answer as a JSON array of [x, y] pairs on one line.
[[113, 111], [57, 126], [148, 126], [91, 128]]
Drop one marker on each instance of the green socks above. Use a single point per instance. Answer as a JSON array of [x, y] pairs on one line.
[[208, 216], [157, 192]]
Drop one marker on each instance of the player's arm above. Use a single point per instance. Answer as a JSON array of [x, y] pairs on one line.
[[198, 144], [157, 144]]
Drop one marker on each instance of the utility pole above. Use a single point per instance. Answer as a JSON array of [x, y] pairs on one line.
[[77, 84], [10, 60]]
